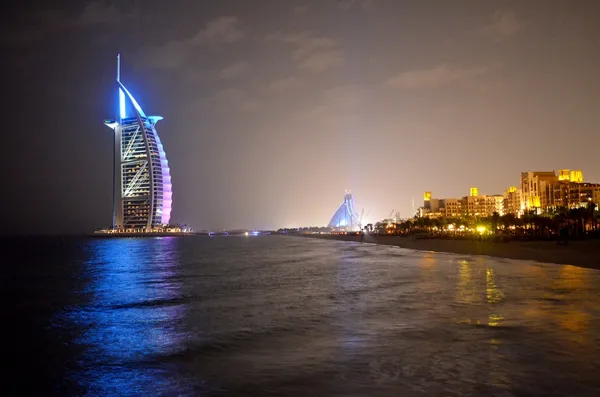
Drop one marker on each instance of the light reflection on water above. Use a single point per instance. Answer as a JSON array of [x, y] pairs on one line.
[[135, 312], [292, 316]]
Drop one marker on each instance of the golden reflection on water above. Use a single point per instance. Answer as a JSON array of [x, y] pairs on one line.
[[565, 305], [572, 278], [466, 291], [469, 290], [506, 301], [571, 288], [559, 299], [429, 266], [428, 262], [493, 293], [495, 320], [574, 320], [494, 296]]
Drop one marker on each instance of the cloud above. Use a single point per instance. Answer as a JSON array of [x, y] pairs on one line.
[[335, 105], [234, 70], [98, 12], [323, 60], [300, 9], [284, 85], [228, 95], [504, 24], [166, 56], [351, 97], [37, 25], [317, 54], [220, 30], [435, 77], [348, 4], [228, 100]]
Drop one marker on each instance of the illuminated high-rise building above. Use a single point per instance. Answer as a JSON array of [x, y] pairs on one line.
[[142, 181], [533, 188]]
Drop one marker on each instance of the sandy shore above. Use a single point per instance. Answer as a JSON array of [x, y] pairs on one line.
[[577, 253]]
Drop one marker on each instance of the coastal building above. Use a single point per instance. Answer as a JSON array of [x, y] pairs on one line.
[[533, 188], [513, 203], [430, 204], [575, 176], [470, 205], [539, 191], [545, 191], [345, 217], [451, 208], [474, 205], [432, 207], [141, 176], [580, 194], [496, 204], [482, 205]]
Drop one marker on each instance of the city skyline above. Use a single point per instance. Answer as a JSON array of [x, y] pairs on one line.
[[537, 192], [274, 109]]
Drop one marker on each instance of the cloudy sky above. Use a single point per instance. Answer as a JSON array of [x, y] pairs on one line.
[[274, 108]]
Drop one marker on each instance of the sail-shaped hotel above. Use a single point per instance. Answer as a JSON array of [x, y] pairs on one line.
[[142, 180], [346, 218]]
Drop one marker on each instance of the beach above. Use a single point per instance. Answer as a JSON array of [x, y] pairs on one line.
[[577, 253]]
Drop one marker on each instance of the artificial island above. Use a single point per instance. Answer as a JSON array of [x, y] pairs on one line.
[[142, 189]]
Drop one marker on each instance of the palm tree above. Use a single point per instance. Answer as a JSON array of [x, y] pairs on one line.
[[405, 226], [591, 215], [577, 217], [427, 223], [527, 218], [495, 219], [508, 220], [543, 224]]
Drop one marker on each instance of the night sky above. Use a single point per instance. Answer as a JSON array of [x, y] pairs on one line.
[[274, 108]]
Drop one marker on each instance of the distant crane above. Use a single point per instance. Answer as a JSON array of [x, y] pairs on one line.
[[391, 214]]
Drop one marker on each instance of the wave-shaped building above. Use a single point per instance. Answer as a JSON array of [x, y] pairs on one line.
[[142, 181], [345, 217]]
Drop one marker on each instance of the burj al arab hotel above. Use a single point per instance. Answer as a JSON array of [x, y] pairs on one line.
[[142, 194]]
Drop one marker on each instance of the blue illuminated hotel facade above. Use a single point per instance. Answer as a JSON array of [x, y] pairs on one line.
[[345, 217], [142, 180]]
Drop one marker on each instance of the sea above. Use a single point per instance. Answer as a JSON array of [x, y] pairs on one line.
[[290, 316]]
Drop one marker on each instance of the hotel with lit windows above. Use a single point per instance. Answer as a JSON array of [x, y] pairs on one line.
[[142, 181], [539, 192]]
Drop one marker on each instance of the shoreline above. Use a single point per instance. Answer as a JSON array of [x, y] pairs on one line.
[[577, 253], [140, 235]]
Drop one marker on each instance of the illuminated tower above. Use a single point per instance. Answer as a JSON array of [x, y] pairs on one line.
[[345, 217], [142, 181]]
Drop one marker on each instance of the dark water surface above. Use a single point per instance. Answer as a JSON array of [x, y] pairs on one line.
[[291, 316]]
